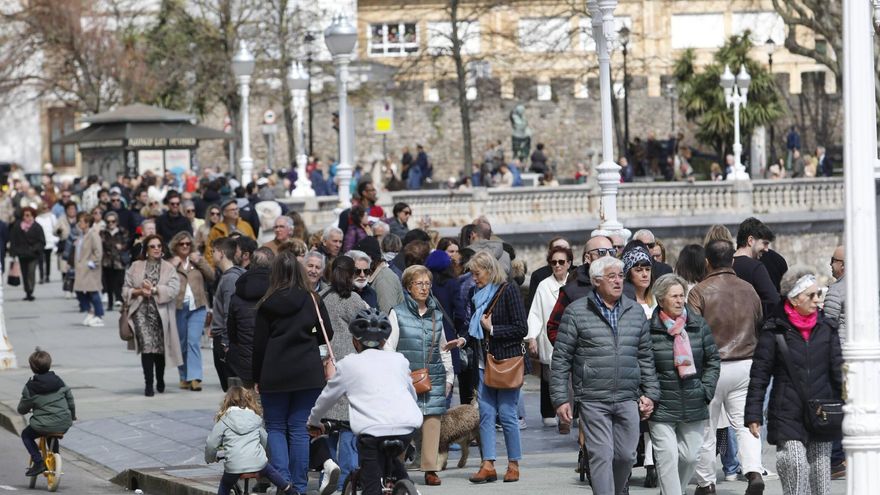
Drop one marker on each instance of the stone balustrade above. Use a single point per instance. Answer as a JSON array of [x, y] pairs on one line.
[[539, 206]]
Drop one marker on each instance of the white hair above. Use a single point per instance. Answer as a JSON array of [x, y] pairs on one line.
[[643, 233], [380, 229], [332, 230], [598, 267], [359, 256], [316, 255], [287, 220]]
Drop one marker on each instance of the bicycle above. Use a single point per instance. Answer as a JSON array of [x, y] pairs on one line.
[[48, 446], [391, 449]]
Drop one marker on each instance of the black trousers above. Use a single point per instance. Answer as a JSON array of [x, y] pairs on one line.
[[372, 461], [45, 264], [547, 410], [112, 281], [29, 273], [466, 386], [220, 363]]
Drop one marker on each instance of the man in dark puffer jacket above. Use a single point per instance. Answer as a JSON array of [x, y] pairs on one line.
[[249, 288]]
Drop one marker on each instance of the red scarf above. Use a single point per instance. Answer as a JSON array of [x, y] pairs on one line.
[[804, 324], [25, 225]]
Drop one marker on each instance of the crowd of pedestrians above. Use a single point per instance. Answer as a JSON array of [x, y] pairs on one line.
[[650, 363]]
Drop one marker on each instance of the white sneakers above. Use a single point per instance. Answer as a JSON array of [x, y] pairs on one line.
[[549, 422], [330, 478], [93, 321]]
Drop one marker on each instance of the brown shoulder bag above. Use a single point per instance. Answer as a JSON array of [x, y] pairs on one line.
[[502, 374]]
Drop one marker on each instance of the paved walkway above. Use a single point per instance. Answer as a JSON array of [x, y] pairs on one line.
[[164, 436]]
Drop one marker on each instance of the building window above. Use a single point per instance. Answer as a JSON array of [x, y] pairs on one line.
[[585, 31], [545, 92], [61, 122], [544, 34], [697, 31], [440, 37], [581, 90], [763, 26], [432, 95], [397, 39]]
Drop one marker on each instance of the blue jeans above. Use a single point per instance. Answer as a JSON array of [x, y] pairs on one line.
[[499, 403], [729, 460], [190, 325], [285, 415], [344, 450], [90, 298]]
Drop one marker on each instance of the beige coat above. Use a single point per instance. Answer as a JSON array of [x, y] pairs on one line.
[[88, 279], [197, 275], [166, 300]]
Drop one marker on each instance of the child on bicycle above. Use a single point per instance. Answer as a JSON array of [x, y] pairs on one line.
[[382, 400], [51, 402], [239, 432]]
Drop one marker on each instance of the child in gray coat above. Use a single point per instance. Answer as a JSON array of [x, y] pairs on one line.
[[239, 432]]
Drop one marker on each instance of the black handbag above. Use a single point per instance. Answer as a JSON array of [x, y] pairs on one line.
[[821, 416]]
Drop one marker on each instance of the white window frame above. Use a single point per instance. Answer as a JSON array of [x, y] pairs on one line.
[[533, 33], [544, 91], [716, 35], [440, 37], [393, 49]]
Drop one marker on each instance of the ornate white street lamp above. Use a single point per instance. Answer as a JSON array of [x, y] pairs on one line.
[[861, 352], [299, 87], [602, 18], [341, 37], [243, 68], [736, 93], [7, 355]]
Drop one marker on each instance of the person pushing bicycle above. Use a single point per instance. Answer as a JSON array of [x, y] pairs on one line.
[[382, 400]]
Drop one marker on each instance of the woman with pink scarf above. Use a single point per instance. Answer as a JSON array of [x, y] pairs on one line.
[[688, 365]]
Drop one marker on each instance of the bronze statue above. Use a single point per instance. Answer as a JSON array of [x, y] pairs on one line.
[[521, 136]]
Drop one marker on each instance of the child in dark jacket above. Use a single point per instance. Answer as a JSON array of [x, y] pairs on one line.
[[51, 402]]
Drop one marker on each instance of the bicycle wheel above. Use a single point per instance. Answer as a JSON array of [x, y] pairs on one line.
[[352, 485], [53, 475], [404, 487]]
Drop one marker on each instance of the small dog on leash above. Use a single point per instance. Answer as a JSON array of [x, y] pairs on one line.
[[459, 425]]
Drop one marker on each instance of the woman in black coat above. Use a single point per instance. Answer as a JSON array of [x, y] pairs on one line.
[[813, 365], [289, 350], [26, 242]]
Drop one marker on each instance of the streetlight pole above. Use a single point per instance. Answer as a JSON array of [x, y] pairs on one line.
[[736, 93], [299, 87], [243, 67], [770, 46], [308, 41], [623, 35], [670, 93], [861, 352], [341, 37], [602, 18]]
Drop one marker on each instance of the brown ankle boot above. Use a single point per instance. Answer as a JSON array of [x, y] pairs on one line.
[[512, 474], [486, 474]]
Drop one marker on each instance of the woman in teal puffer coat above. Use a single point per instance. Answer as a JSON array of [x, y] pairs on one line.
[[688, 365], [417, 333]]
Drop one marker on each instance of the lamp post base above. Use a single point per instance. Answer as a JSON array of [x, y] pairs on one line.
[[7, 355], [303, 184], [738, 173]]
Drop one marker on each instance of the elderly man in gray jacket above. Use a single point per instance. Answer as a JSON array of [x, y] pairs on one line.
[[604, 346]]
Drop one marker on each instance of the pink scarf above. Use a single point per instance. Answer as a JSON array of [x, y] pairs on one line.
[[804, 324], [25, 226], [682, 355]]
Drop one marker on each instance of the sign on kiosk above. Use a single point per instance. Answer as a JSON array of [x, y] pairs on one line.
[[383, 117]]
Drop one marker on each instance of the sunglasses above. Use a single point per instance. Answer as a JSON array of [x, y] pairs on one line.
[[112, 222], [184, 243], [155, 246], [363, 271], [406, 212], [558, 262], [603, 251], [214, 213], [177, 203], [650, 245], [190, 211]]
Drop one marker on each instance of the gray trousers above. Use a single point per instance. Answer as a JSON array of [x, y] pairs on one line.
[[676, 446], [611, 437]]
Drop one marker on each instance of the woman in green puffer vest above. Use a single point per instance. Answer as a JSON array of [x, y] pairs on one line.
[[688, 365], [417, 333]]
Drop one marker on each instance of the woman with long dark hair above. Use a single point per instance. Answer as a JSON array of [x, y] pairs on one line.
[[26, 242], [289, 350], [358, 228], [342, 304], [691, 265]]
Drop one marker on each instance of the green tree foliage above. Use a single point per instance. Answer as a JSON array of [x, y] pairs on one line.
[[701, 97]]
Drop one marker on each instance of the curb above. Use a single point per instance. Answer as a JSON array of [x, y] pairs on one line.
[[156, 480], [11, 420]]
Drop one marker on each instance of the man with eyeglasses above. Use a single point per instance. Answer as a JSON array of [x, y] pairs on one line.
[[128, 219], [230, 224], [283, 228], [362, 273], [389, 291], [58, 207], [658, 268], [604, 350], [835, 309], [172, 221]]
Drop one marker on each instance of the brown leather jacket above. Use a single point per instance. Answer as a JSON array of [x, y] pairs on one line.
[[732, 309]]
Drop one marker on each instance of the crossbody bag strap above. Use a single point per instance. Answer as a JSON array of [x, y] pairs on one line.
[[323, 330], [786, 360], [433, 333], [445, 314]]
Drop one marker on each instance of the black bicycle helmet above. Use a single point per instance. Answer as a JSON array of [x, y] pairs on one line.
[[370, 326]]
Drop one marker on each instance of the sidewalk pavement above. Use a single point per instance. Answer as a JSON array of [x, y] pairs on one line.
[[157, 443]]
